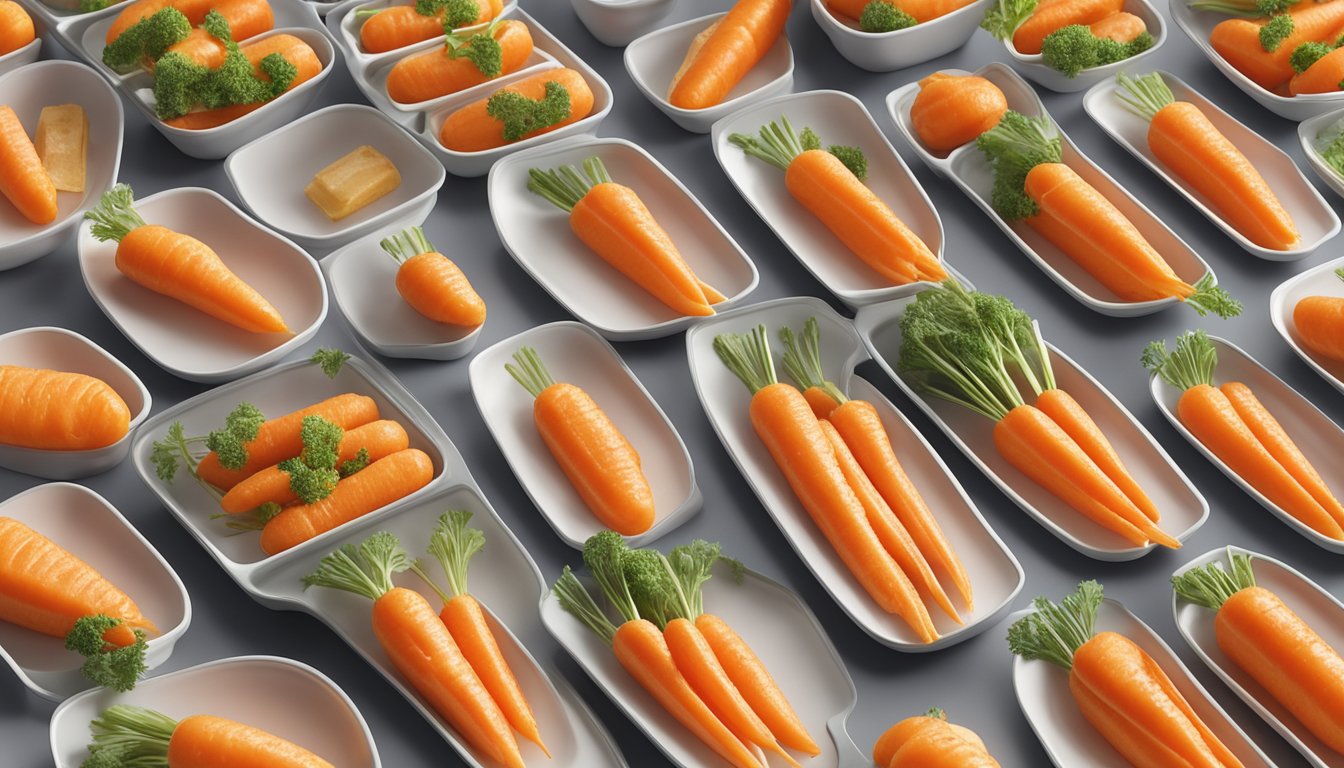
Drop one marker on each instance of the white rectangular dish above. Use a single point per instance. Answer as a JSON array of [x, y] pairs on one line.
[[1320, 280]]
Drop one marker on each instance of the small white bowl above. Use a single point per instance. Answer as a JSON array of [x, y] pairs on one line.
[[1307, 132], [84, 524], [27, 90], [888, 51], [617, 22], [1320, 439], [1043, 694], [538, 236], [185, 341], [1320, 280], [61, 350], [838, 118], [653, 59], [967, 168], [1315, 219], [1183, 508], [281, 696], [574, 353], [1319, 609], [310, 144], [1033, 66]]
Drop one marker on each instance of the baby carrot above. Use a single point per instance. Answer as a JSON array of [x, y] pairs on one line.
[[1262, 49], [23, 179], [919, 11], [1319, 68], [140, 10], [529, 107], [292, 49], [1319, 323], [1049, 17], [244, 19], [723, 54], [1121, 27], [433, 286], [930, 741], [16, 27], [463, 62], [198, 741], [951, 110], [398, 26], [59, 411]]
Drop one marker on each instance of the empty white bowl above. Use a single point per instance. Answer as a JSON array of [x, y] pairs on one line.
[[1033, 66], [887, 51], [185, 341], [617, 22], [62, 350], [653, 59], [1320, 280]]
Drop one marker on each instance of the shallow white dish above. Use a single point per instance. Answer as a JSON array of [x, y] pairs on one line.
[[310, 144], [538, 236], [653, 59], [838, 118], [27, 90], [1033, 66], [1043, 694], [87, 526], [1307, 131], [183, 340], [285, 697], [887, 51], [1320, 280], [996, 576], [62, 350], [617, 22], [783, 633], [575, 353], [1315, 219], [1320, 439], [1182, 507], [966, 167], [1318, 608]]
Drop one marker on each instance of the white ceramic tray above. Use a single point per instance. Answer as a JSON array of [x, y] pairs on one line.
[[27, 90], [967, 168], [783, 633], [995, 574], [1307, 132], [287, 698], [617, 22], [574, 353], [538, 236], [1320, 439], [653, 60], [839, 119], [888, 51], [1320, 280], [1315, 219], [423, 120], [183, 340], [1043, 693], [62, 350], [86, 525], [1318, 608], [1182, 507], [1033, 67]]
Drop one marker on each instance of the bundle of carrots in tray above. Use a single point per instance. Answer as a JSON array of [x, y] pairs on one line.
[[930, 741], [1285, 47], [1119, 689], [466, 59], [971, 349], [535, 105], [59, 410], [1267, 640], [46, 589], [126, 735], [838, 459], [398, 25], [35, 170], [1072, 35], [890, 15], [1319, 323], [691, 662], [725, 51], [1230, 421], [452, 659], [302, 474], [829, 183]]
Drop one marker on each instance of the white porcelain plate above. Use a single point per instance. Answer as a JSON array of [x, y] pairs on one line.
[[1320, 280]]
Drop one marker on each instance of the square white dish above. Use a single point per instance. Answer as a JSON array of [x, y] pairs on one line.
[[538, 236], [574, 353], [1320, 280], [838, 118], [284, 697], [967, 168], [1319, 609], [653, 59], [311, 143], [888, 51], [1320, 439], [617, 22], [183, 340], [1033, 67], [1307, 132], [1181, 505], [86, 525], [995, 574], [27, 90], [1315, 219]]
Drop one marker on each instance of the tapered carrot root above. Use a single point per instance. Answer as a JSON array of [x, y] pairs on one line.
[[59, 411], [718, 61], [23, 180], [1323, 76]]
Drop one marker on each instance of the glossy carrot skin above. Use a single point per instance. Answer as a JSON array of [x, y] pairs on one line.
[[293, 49], [930, 742], [1281, 652], [59, 411], [438, 289], [921, 10], [139, 10], [23, 180], [741, 39], [206, 741], [1121, 27], [1322, 77], [246, 19], [471, 129], [820, 401], [952, 110], [16, 27], [433, 73], [400, 25], [1319, 322], [1238, 41], [1048, 17]]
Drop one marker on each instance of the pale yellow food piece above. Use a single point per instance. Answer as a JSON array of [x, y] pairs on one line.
[[696, 44], [63, 145], [352, 182]]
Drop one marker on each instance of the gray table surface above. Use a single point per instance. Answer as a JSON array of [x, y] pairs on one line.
[[972, 680]]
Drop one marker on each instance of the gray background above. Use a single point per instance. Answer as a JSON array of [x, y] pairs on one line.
[[972, 680]]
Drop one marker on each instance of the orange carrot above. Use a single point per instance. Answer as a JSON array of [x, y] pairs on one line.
[[1318, 71], [198, 741], [245, 19], [59, 411], [23, 179], [1265, 56], [16, 27], [529, 107], [724, 53], [1319, 323], [140, 10], [398, 26], [1121, 27], [951, 110], [919, 10], [464, 62], [433, 286], [819, 400], [291, 48], [1049, 17], [930, 741]]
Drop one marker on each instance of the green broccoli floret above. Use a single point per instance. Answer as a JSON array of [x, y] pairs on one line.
[[180, 83], [313, 474], [481, 49], [146, 40], [331, 360], [177, 82], [521, 115], [456, 13], [1306, 54], [853, 159], [114, 668], [650, 585], [881, 16], [240, 428], [1013, 147], [172, 449], [359, 461], [1074, 48], [809, 140], [1275, 31]]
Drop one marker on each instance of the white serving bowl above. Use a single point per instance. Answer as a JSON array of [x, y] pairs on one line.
[[1320, 280], [1033, 66], [1307, 132], [888, 51], [617, 22]]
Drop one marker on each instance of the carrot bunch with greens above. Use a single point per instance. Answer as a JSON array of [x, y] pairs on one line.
[[432, 284], [1232, 423], [127, 735], [724, 52], [930, 741], [1271, 643], [529, 107], [1119, 689], [59, 410], [397, 26], [616, 225], [951, 110], [829, 184], [464, 61], [1319, 322]]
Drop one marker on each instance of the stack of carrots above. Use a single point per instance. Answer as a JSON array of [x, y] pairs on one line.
[[1069, 36], [930, 741], [535, 105], [401, 24], [1281, 46], [125, 734], [464, 61], [888, 16], [725, 51], [1319, 322], [1230, 421], [691, 662], [59, 411], [972, 349]]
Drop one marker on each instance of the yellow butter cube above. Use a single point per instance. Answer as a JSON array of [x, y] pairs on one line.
[[352, 182], [62, 143]]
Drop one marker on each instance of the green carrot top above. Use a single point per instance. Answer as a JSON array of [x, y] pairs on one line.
[[1054, 632], [454, 543], [1005, 16], [114, 216], [363, 569], [456, 13], [777, 143], [604, 554], [127, 736], [1013, 147], [1189, 366], [1211, 585], [802, 360], [528, 370], [180, 83], [330, 359], [748, 356], [565, 186], [1145, 95], [406, 244]]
